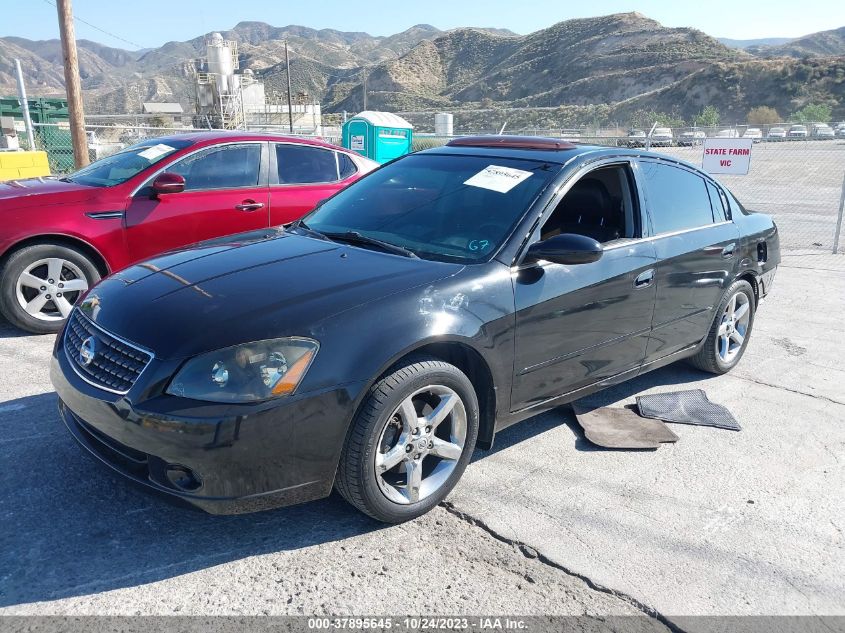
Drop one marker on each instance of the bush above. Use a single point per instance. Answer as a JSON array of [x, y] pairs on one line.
[[763, 115]]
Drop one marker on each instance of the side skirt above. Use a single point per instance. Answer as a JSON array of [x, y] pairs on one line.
[[571, 396]]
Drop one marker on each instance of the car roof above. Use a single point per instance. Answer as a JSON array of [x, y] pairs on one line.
[[206, 137], [562, 156]]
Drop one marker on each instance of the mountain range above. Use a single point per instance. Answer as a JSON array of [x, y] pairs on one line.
[[606, 67]]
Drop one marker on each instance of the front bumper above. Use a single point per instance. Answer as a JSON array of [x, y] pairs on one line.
[[224, 459]]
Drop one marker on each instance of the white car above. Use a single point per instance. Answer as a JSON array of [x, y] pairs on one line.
[[840, 130], [661, 137], [776, 134], [635, 138], [823, 131], [754, 133], [692, 137], [798, 131], [729, 133]]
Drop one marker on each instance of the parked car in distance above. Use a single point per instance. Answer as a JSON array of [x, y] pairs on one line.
[[754, 133], [840, 130], [661, 137], [727, 133], [59, 236], [797, 131], [823, 131], [635, 138], [374, 344], [776, 134], [692, 137]]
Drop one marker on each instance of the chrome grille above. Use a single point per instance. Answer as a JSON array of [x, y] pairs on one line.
[[114, 364]]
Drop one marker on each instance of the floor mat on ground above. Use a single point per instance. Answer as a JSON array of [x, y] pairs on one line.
[[686, 407], [621, 428]]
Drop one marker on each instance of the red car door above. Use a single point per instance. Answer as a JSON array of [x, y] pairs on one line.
[[226, 192], [302, 175]]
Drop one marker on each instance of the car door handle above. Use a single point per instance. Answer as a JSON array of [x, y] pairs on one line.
[[728, 251], [644, 279], [249, 205]]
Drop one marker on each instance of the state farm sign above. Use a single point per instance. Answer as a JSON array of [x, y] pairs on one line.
[[726, 155]]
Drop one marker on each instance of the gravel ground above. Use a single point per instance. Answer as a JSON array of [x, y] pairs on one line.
[[719, 523]]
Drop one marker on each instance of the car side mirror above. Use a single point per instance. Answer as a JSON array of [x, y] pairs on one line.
[[566, 248], [168, 183]]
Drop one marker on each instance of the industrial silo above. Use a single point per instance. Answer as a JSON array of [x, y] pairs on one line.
[[443, 124]]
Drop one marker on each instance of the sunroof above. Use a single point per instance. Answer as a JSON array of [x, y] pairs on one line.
[[513, 142]]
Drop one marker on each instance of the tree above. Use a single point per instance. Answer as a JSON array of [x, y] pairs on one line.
[[708, 117], [763, 115], [813, 113]]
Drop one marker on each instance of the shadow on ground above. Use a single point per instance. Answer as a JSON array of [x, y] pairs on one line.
[[71, 527], [7, 330]]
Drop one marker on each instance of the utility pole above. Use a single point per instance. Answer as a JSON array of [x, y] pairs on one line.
[[73, 84], [290, 104], [366, 77], [25, 106]]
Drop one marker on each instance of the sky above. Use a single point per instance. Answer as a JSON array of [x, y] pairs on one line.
[[151, 23]]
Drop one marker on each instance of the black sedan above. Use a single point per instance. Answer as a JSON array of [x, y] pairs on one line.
[[373, 345]]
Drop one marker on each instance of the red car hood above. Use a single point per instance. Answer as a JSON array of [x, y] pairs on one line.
[[42, 191]]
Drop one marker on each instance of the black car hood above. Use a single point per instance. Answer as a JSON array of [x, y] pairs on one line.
[[248, 287]]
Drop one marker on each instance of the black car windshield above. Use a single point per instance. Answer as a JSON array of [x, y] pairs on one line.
[[443, 207], [120, 167]]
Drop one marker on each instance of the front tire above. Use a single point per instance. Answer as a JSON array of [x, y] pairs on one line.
[[410, 441], [40, 284], [728, 337]]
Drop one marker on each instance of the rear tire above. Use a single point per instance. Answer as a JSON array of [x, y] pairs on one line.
[[730, 332], [410, 441], [40, 283]]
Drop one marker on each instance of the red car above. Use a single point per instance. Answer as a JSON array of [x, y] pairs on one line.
[[58, 236]]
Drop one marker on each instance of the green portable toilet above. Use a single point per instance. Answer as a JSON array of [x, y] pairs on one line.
[[380, 136]]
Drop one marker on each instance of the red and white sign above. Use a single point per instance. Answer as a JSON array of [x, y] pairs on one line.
[[726, 156]]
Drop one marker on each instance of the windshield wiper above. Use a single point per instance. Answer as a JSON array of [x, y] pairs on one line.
[[299, 224], [353, 237]]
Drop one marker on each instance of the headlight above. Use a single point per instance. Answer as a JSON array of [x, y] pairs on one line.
[[246, 373]]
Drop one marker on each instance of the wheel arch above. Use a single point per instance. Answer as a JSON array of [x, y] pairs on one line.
[[751, 278], [62, 240], [472, 363]]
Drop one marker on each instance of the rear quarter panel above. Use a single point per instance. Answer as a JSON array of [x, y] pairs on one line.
[[759, 245]]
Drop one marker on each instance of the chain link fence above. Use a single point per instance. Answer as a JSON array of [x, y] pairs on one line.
[[103, 140], [800, 181]]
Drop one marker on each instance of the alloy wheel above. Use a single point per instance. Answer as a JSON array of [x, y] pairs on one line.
[[733, 327], [421, 444], [48, 288]]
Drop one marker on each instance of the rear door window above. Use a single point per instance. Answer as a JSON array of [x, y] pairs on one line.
[[677, 198], [303, 164]]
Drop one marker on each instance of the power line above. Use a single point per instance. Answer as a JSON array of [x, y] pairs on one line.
[[124, 40], [97, 28]]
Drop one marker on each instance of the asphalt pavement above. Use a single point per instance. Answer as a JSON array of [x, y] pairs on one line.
[[721, 522]]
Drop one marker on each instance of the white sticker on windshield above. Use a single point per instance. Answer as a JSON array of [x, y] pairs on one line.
[[151, 153], [496, 178]]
